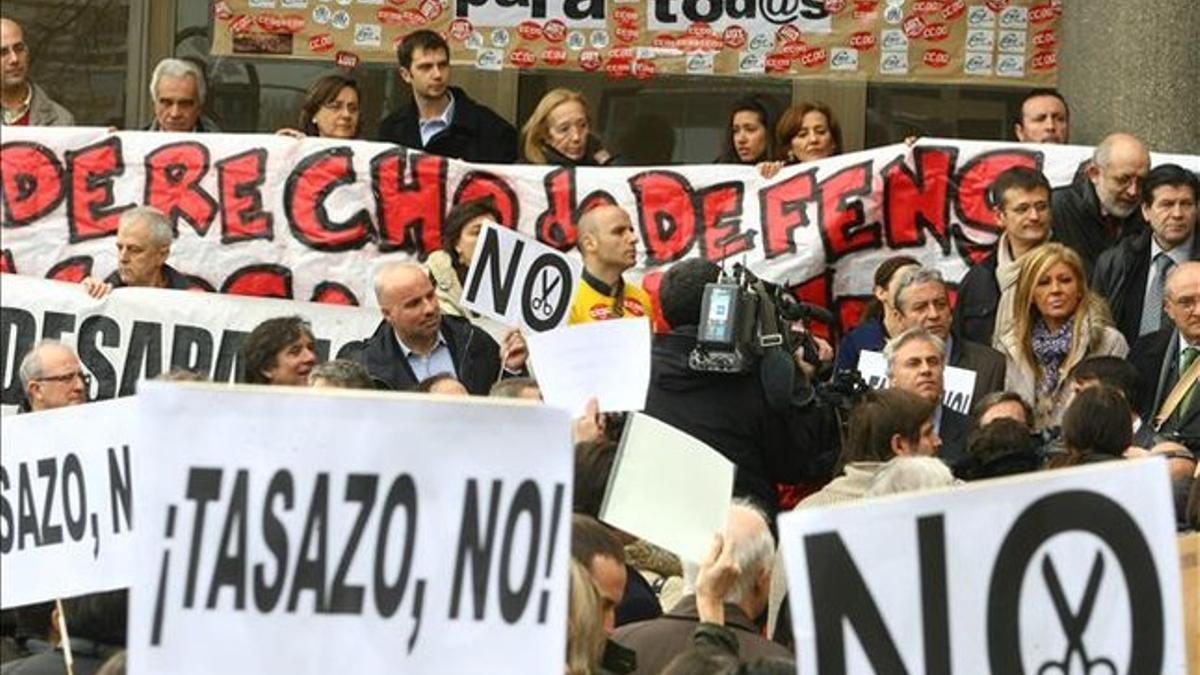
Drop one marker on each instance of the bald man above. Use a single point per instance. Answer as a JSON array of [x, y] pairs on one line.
[[608, 245], [415, 341], [1164, 358], [52, 377], [24, 103], [1101, 206]]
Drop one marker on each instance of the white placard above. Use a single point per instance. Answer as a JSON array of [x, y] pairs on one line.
[[605, 360], [138, 333], [1006, 576], [958, 384], [519, 281], [66, 507], [668, 488], [304, 531]]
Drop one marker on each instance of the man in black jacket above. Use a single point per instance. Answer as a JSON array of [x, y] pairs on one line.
[[443, 120], [1164, 357], [415, 341], [729, 411], [1101, 205], [1131, 275]]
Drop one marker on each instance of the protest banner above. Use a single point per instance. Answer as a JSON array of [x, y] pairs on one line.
[[1069, 570], [605, 360], [308, 219], [958, 383], [305, 512], [66, 512], [518, 281], [1013, 42], [668, 488], [138, 333]]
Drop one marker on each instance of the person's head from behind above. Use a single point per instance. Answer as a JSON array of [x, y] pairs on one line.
[[279, 351], [890, 423], [750, 139], [593, 464], [331, 108], [1105, 370], [808, 132], [443, 384], [517, 387], [461, 230], [1043, 117], [1003, 405], [424, 61], [681, 293], [601, 553], [586, 636], [749, 535], [340, 374], [1097, 423], [1118, 165], [1020, 199], [560, 122], [1169, 194], [916, 362], [1002, 447], [177, 89], [408, 302], [607, 241], [144, 237], [910, 474], [922, 300], [52, 376]]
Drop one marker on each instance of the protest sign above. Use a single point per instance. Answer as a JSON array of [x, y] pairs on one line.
[[958, 383], [309, 219], [302, 512], [1013, 42], [519, 281], [138, 333], [668, 488], [1050, 572], [605, 360], [66, 512]]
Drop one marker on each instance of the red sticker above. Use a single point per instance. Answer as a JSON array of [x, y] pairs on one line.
[[778, 62], [389, 16], [625, 34], [554, 30], [1045, 39], [734, 37], [241, 24], [935, 32], [699, 30], [292, 23], [621, 54], [589, 60], [320, 43], [924, 7], [618, 68], [626, 16], [554, 56], [955, 9], [644, 69], [813, 57], [913, 27], [664, 41], [461, 29], [1042, 13], [411, 17], [936, 58], [997, 5], [431, 9], [221, 11], [834, 6], [866, 5], [347, 60], [1044, 60], [522, 58], [788, 33], [530, 30], [792, 50], [863, 40], [268, 21]]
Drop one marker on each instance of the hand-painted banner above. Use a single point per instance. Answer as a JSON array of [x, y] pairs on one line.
[[1012, 42], [136, 334], [311, 219]]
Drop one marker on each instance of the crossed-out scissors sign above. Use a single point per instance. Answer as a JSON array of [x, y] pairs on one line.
[[1075, 624]]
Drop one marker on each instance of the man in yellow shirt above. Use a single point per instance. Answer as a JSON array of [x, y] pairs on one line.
[[609, 247]]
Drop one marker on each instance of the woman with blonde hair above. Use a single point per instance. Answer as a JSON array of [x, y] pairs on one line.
[[1057, 322], [585, 624], [560, 132]]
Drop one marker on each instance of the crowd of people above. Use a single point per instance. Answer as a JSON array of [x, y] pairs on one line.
[[1082, 329]]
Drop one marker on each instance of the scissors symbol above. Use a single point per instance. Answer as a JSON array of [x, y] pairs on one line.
[[541, 302], [1074, 625]]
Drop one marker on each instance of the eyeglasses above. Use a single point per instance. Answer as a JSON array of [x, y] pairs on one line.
[[67, 377], [337, 106]]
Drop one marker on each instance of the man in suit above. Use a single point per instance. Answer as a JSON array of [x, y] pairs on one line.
[[415, 341], [916, 363], [922, 300], [1165, 357], [1131, 275]]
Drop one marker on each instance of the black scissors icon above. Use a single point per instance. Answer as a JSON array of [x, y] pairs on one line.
[[1073, 624], [541, 303]]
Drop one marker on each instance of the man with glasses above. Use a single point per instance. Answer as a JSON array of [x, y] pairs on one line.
[[52, 377], [1101, 206], [1132, 274], [1169, 360]]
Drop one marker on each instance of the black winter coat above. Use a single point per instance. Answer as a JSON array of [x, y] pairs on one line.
[[1075, 214], [475, 134], [1120, 278], [475, 354]]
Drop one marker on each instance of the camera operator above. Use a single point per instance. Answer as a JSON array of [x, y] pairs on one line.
[[731, 411]]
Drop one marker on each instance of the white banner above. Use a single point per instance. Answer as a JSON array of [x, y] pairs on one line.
[[66, 512], [1063, 571], [138, 333], [309, 219], [306, 532]]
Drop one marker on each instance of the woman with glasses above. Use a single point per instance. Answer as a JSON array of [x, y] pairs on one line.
[[330, 110], [559, 132]]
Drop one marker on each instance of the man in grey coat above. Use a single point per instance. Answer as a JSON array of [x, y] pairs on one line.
[[24, 103]]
